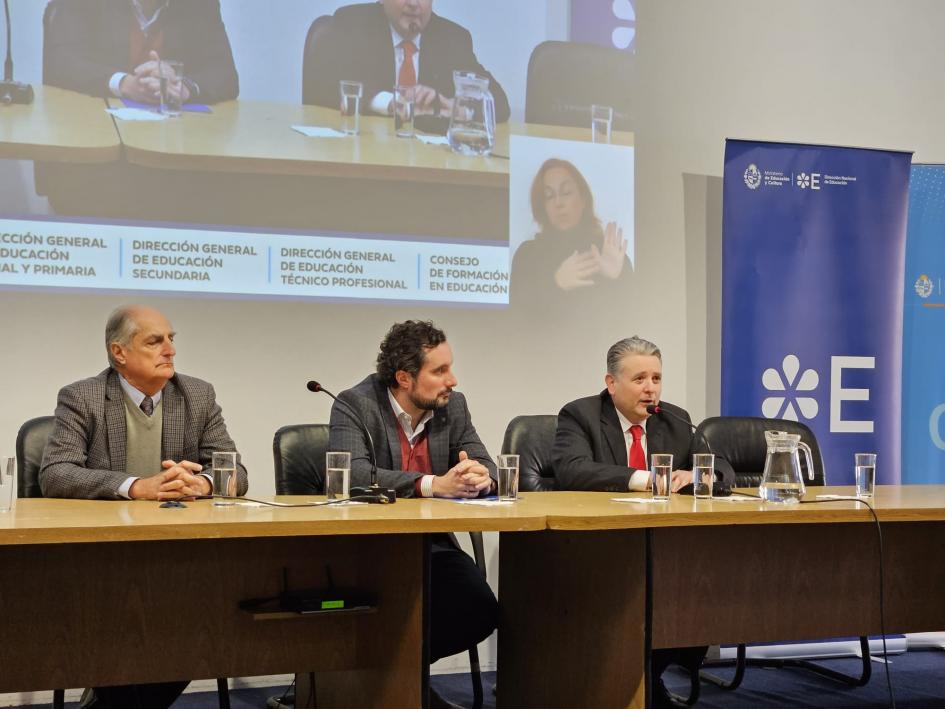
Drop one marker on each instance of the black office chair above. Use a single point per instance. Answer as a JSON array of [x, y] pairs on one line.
[[741, 441], [298, 453], [30, 444], [566, 78], [532, 438], [316, 32]]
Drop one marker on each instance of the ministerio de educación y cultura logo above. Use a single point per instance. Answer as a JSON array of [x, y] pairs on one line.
[[752, 177], [788, 382], [923, 286]]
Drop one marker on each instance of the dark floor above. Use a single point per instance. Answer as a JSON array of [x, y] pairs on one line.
[[918, 679]]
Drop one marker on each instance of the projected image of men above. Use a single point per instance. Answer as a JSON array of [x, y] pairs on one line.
[[574, 258]]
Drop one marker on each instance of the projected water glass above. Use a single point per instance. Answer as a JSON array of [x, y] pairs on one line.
[[508, 477], [351, 92], [7, 483], [223, 465], [703, 474], [403, 111], [865, 473], [172, 87], [337, 475], [661, 475], [602, 118]]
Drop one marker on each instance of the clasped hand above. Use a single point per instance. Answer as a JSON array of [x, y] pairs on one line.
[[468, 478], [175, 482], [144, 83]]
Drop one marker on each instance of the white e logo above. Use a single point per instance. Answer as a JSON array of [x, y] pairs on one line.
[[934, 428], [838, 394]]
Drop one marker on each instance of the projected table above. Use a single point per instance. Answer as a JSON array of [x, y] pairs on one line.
[[106, 592], [574, 598], [59, 126]]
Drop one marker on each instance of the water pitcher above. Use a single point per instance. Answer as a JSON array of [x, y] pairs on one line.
[[472, 120], [782, 480]]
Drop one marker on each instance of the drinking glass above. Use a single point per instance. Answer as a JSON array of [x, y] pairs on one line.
[[508, 476], [661, 469], [351, 92], [172, 85], [703, 474], [223, 465], [602, 118], [337, 475], [865, 473]]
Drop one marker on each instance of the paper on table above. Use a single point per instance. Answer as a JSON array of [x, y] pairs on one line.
[[319, 132], [432, 139], [493, 502], [188, 107], [136, 114], [638, 500]]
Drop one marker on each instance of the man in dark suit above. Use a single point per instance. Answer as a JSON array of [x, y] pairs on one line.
[[603, 442], [394, 42], [426, 446], [113, 48], [138, 430]]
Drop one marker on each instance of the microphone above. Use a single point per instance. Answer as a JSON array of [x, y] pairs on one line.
[[11, 91], [373, 493], [719, 487]]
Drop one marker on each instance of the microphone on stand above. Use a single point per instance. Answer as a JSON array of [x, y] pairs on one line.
[[374, 493], [12, 92], [720, 488]]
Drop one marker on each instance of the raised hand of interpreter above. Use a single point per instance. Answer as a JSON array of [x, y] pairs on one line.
[[465, 479], [577, 270], [612, 255]]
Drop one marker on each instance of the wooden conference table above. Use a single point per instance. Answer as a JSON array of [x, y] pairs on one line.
[[113, 592]]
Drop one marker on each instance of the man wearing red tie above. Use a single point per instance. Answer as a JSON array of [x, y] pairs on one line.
[[394, 42], [603, 443]]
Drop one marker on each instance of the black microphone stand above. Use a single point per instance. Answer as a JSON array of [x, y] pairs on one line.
[[374, 493], [12, 92]]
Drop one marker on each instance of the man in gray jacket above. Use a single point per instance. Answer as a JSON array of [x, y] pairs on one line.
[[426, 446], [136, 431]]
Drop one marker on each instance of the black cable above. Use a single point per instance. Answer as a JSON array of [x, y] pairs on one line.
[[882, 583], [357, 498]]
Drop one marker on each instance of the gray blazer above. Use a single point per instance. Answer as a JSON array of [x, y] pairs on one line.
[[86, 453], [449, 431]]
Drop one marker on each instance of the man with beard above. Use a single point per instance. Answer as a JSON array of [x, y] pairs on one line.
[[426, 446]]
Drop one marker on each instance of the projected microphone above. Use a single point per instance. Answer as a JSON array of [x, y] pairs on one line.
[[12, 91], [374, 493]]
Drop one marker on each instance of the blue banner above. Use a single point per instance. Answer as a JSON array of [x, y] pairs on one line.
[[812, 280], [923, 343]]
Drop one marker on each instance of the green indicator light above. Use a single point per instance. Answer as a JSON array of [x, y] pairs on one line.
[[330, 605]]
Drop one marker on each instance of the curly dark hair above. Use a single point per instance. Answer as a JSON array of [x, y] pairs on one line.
[[405, 347]]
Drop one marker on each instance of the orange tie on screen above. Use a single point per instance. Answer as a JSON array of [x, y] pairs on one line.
[[407, 77], [637, 457]]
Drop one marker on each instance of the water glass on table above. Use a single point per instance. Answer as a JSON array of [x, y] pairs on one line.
[[865, 473], [351, 92], [602, 118], [703, 475], [7, 483], [402, 108], [337, 475], [223, 465], [172, 87], [661, 475], [508, 476]]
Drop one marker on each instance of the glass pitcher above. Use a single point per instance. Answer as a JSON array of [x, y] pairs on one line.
[[782, 480], [472, 120]]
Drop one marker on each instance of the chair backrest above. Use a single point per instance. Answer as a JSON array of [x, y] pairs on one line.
[[48, 14], [30, 444], [316, 31], [532, 438], [298, 453], [741, 441], [566, 78]]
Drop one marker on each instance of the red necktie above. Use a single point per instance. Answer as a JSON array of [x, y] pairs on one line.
[[407, 76], [637, 457]]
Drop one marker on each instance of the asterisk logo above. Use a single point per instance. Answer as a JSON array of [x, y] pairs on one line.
[[787, 381], [803, 180], [622, 36]]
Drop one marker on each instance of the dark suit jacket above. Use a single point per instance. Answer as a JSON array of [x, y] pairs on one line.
[[87, 42], [357, 46], [590, 451], [449, 432], [86, 453]]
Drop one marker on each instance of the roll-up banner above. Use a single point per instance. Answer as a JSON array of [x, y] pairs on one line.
[[812, 294]]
